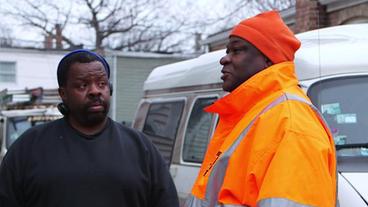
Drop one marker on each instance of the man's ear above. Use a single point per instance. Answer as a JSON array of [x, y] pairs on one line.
[[62, 95], [268, 62]]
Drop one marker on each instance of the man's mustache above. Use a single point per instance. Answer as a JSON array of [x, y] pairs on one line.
[[95, 101]]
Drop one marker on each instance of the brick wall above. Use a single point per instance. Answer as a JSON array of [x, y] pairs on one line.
[[310, 14], [341, 16]]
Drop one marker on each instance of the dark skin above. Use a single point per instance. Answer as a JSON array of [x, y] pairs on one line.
[[241, 62], [87, 96]]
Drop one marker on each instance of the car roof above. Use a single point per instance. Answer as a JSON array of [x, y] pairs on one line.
[[324, 52]]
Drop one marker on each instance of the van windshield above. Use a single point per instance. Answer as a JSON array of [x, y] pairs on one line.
[[343, 103], [17, 125]]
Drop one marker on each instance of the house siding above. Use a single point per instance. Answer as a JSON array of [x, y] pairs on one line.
[[131, 74]]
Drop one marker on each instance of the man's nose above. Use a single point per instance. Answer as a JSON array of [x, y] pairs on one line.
[[94, 90], [225, 60]]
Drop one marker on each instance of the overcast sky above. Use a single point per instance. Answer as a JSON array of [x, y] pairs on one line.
[[197, 9]]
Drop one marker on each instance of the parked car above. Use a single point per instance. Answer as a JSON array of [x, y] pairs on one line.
[[19, 111]]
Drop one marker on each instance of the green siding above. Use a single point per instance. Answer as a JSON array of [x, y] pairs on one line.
[[131, 74]]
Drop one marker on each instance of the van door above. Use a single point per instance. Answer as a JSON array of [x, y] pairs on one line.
[[198, 130], [2, 137], [162, 123]]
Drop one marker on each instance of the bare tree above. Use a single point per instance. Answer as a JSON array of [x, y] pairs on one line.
[[106, 19], [264, 5], [131, 25], [135, 25], [240, 9], [6, 39], [43, 16]]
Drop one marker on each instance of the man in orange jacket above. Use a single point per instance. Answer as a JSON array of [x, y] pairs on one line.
[[271, 147]]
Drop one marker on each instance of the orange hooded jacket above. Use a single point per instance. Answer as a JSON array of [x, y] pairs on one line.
[[286, 158]]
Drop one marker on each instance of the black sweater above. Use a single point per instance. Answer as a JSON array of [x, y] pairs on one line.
[[53, 165]]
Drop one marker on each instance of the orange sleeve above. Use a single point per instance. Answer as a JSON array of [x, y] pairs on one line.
[[300, 172]]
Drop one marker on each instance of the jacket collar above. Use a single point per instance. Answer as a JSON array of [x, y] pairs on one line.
[[259, 86]]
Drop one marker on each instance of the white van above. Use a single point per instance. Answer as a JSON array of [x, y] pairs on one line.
[[332, 66], [14, 122]]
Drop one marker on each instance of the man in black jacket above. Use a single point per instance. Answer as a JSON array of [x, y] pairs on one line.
[[85, 158]]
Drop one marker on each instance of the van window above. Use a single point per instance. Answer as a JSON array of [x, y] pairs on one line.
[[2, 121], [343, 103], [162, 124], [198, 131], [15, 127]]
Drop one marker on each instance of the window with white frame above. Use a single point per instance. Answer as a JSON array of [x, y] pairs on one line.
[[162, 124], [7, 72], [198, 131]]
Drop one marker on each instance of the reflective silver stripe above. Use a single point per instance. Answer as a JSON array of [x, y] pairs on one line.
[[297, 98], [277, 202], [290, 96], [229, 205], [192, 201], [320, 116]]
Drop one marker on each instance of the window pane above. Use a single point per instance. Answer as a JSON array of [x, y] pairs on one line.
[[198, 131], [2, 121], [162, 124], [343, 104], [7, 78], [15, 128], [7, 72]]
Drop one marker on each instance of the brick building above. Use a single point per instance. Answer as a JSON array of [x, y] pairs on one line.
[[308, 15]]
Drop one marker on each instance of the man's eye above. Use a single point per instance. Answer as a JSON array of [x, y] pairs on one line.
[[102, 84], [235, 50], [238, 50], [82, 86]]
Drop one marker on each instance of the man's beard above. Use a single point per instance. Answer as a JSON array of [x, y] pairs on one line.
[[89, 118], [95, 118]]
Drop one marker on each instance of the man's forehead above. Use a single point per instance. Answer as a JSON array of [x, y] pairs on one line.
[[237, 41], [93, 64], [83, 69], [233, 40]]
